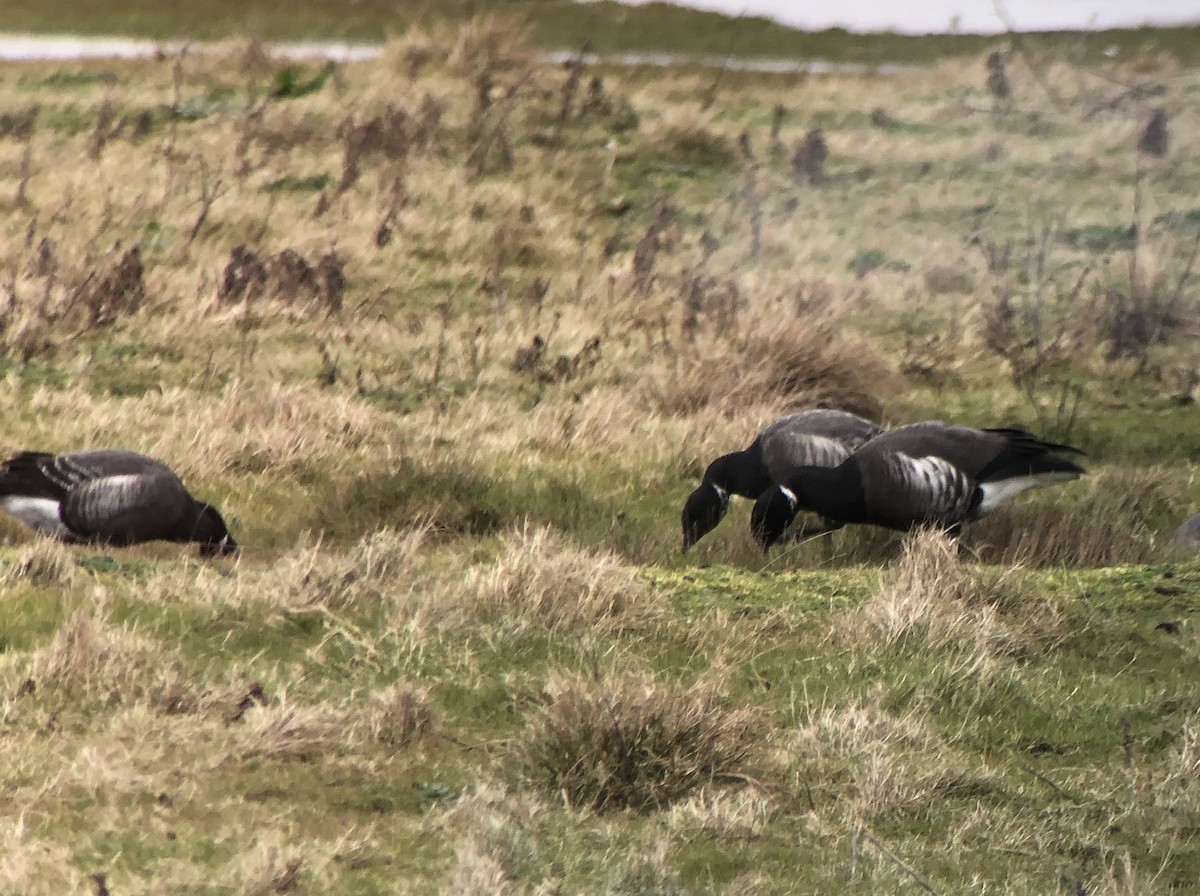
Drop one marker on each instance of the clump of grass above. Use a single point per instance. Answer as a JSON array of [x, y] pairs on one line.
[[889, 786], [629, 741], [312, 575], [28, 861], [798, 363], [742, 813], [91, 659], [542, 582], [1114, 524], [496, 828], [931, 599], [43, 562], [889, 763], [401, 715], [690, 140], [283, 730]]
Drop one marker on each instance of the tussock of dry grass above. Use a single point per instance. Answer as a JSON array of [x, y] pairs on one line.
[[742, 813], [933, 599], [892, 764], [799, 363], [541, 582], [1110, 527], [630, 742], [28, 861], [494, 827], [381, 563], [282, 728], [862, 727], [401, 715], [90, 658], [44, 562], [888, 786]]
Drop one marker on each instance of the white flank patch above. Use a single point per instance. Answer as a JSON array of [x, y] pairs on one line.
[[37, 513], [1004, 490]]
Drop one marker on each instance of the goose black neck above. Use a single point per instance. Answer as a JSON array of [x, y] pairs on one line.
[[740, 473], [835, 493]]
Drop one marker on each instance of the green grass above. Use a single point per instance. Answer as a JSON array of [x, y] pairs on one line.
[[451, 543], [1043, 743]]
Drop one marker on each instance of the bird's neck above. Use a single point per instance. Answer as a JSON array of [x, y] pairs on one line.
[[740, 473], [835, 493]]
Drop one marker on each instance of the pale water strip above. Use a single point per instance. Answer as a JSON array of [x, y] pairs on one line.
[[32, 47]]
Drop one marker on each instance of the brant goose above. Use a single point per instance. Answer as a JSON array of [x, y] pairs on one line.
[[924, 474], [814, 438], [111, 496]]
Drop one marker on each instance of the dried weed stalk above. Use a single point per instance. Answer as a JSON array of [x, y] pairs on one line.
[[286, 276]]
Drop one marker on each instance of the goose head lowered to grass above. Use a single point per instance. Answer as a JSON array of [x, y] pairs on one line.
[[109, 496], [815, 437], [924, 474]]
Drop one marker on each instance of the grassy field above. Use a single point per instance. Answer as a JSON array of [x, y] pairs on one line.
[[449, 336]]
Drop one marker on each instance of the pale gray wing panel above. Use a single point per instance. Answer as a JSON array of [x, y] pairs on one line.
[[848, 429], [914, 490], [784, 453]]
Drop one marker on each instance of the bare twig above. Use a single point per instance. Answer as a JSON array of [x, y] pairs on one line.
[[878, 844]]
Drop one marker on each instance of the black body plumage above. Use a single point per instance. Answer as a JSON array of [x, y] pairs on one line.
[[111, 496], [924, 474], [818, 437]]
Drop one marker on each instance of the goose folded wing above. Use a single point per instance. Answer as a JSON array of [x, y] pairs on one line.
[[784, 454], [904, 491], [126, 508]]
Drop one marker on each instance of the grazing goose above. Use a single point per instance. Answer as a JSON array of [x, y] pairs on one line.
[[111, 496], [819, 438], [923, 474]]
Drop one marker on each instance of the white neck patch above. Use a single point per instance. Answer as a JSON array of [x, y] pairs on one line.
[[722, 495], [790, 495]]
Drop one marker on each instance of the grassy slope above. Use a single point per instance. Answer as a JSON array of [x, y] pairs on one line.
[[441, 543]]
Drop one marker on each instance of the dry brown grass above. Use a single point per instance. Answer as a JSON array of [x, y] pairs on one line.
[[44, 562], [542, 583], [377, 566], [628, 741], [933, 599], [28, 861], [873, 762], [1111, 526], [90, 659], [799, 363]]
